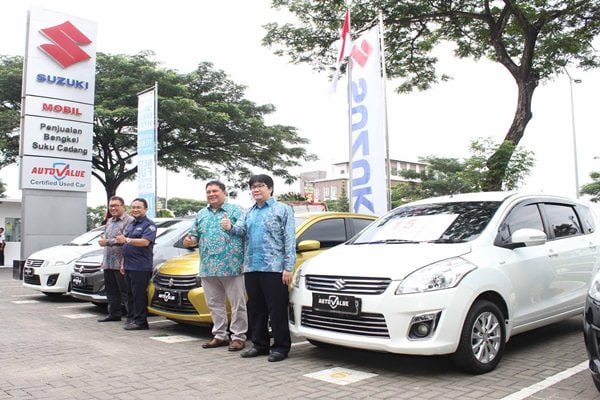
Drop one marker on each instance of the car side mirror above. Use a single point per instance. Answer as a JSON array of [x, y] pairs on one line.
[[527, 237], [308, 245]]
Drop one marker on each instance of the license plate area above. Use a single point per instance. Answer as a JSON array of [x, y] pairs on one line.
[[77, 281], [167, 296], [336, 304]]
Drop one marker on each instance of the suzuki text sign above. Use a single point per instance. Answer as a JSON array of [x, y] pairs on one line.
[[61, 57], [368, 142]]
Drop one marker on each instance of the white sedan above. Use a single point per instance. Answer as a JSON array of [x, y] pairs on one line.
[[452, 275]]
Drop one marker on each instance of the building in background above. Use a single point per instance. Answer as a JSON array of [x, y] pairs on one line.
[[320, 186]]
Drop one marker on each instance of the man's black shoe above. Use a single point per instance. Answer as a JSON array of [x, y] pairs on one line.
[[276, 356], [110, 318], [254, 352], [135, 327]]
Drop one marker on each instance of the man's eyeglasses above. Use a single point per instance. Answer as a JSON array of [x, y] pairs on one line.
[[114, 205], [258, 186]]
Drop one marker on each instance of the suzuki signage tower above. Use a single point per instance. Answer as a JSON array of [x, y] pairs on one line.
[[57, 120]]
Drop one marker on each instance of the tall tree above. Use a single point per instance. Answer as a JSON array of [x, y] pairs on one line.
[[11, 73], [533, 40], [593, 188], [205, 124], [444, 176]]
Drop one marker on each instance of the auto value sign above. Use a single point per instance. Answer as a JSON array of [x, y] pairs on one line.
[[58, 113]]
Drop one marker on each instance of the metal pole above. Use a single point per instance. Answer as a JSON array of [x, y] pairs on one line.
[[571, 80]]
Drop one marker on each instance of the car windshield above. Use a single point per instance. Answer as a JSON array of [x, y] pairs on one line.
[[435, 223], [86, 238], [168, 231]]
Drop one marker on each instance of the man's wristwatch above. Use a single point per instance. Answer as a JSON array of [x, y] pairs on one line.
[[128, 240]]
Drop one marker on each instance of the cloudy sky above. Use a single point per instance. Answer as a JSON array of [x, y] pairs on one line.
[[478, 102]]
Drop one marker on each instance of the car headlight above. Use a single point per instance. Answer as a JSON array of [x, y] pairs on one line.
[[441, 275], [594, 291]]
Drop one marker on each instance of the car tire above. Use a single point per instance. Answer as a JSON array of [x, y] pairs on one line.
[[596, 382], [482, 340]]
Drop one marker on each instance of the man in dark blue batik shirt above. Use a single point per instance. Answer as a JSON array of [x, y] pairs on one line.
[[138, 243]]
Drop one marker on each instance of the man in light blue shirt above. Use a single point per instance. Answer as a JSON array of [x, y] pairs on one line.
[[270, 235]]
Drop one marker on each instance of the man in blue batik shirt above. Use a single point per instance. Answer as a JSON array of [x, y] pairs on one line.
[[270, 235]]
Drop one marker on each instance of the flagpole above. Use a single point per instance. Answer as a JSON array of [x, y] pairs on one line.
[[349, 99], [385, 118]]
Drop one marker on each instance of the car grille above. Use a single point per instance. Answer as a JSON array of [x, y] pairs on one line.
[[33, 263], [87, 268], [87, 289], [32, 280], [366, 324], [174, 282], [347, 284]]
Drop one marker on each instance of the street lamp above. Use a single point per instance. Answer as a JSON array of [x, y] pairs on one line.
[[571, 81]]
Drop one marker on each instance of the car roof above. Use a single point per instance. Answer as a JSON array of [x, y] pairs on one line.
[[331, 213], [486, 196]]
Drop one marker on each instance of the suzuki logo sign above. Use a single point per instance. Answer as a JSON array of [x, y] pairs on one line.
[[66, 49]]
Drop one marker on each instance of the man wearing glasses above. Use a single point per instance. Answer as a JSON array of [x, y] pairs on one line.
[[113, 254], [269, 232]]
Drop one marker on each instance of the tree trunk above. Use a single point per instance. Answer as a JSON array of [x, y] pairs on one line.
[[498, 162]]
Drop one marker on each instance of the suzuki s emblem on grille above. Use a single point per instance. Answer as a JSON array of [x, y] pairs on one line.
[[339, 284], [170, 283], [80, 269]]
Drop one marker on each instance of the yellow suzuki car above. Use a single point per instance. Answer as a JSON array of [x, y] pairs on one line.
[[176, 292]]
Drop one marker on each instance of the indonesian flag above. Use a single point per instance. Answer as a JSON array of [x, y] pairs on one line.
[[345, 49]]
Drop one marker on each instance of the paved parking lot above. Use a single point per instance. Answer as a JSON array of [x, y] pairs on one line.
[[55, 349]]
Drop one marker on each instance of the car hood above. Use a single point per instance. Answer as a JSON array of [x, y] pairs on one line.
[[394, 261], [188, 264], [63, 252]]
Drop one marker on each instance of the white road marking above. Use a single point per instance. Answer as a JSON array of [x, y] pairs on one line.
[[75, 306], [340, 376], [546, 383], [25, 301], [174, 338], [80, 316], [299, 343]]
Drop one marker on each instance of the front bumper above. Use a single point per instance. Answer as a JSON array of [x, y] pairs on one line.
[[384, 321], [88, 287], [53, 279], [182, 305]]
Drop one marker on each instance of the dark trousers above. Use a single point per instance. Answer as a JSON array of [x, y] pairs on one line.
[[136, 283], [116, 293], [268, 299], [2, 257]]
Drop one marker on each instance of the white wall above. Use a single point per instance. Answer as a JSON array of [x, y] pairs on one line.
[[10, 208]]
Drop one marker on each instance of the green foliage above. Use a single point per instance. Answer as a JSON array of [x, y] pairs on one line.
[[2, 189], [532, 40], [444, 176], [11, 71], [184, 207], [164, 213], [291, 196], [205, 124], [96, 216], [343, 203], [592, 189]]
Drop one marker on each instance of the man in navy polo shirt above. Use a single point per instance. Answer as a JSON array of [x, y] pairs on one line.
[[138, 243]]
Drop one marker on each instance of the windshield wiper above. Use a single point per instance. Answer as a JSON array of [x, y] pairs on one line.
[[388, 241], [446, 240]]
